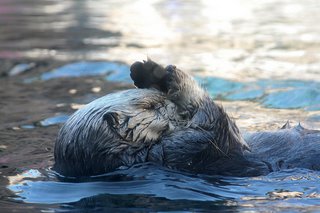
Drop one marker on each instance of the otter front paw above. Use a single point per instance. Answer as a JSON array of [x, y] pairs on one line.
[[148, 74]]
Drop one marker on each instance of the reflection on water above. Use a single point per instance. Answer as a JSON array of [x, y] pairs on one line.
[[246, 38], [150, 188], [82, 69], [283, 94], [259, 58], [59, 119]]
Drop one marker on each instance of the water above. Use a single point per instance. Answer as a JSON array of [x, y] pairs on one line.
[[260, 59], [147, 188]]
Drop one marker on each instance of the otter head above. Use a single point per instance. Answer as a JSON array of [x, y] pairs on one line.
[[112, 131]]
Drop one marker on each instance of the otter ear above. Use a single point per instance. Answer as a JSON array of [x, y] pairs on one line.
[[112, 119]]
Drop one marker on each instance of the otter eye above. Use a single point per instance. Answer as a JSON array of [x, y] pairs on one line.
[[111, 118]]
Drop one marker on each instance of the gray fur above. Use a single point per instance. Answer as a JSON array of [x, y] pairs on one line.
[[170, 120]]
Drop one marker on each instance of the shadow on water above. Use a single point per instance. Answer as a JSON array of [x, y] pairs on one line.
[[147, 187]]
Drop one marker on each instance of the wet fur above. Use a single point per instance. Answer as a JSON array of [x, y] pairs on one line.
[[171, 121]]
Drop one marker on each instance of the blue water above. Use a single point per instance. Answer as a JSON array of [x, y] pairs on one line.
[[115, 71], [280, 94], [147, 187], [51, 121]]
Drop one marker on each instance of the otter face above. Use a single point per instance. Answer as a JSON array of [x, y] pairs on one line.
[[144, 120]]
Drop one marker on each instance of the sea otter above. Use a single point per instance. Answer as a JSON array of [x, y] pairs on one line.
[[171, 121]]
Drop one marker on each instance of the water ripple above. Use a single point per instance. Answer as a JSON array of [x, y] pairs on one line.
[[149, 182]]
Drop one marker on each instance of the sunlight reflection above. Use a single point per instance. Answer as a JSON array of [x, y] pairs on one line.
[[229, 39], [16, 179], [57, 8]]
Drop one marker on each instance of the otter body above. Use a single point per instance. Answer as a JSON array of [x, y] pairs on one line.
[[171, 121]]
